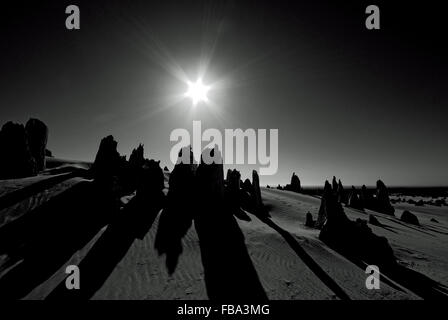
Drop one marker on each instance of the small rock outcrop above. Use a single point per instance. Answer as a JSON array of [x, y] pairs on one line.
[[353, 200], [410, 218], [294, 185], [48, 153], [382, 201], [309, 222], [353, 239]]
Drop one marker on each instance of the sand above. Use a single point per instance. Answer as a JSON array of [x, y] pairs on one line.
[[290, 261]]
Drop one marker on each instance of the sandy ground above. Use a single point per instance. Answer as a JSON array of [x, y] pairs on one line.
[[285, 254]]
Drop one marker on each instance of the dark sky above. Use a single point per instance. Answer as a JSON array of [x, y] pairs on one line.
[[347, 101]]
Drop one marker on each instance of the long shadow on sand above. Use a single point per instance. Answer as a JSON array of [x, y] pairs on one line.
[[228, 269], [308, 260], [177, 217], [133, 222], [409, 279], [229, 273], [47, 237], [18, 195]]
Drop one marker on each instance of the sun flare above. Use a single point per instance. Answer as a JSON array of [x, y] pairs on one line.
[[197, 92]]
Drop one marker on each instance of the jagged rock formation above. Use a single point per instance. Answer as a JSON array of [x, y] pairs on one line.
[[23, 148], [137, 158], [334, 184], [247, 186], [354, 201], [382, 202], [366, 198], [353, 239], [329, 208], [16, 160], [409, 217], [309, 222], [107, 160], [294, 185], [37, 136], [234, 196], [342, 197], [256, 191]]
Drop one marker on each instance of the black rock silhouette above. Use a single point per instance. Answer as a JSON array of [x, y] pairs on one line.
[[37, 136], [48, 153], [268, 187], [373, 220], [150, 179], [235, 197], [247, 186], [233, 189], [334, 184], [354, 201], [382, 202], [409, 217], [177, 217], [309, 222], [229, 172], [342, 197], [210, 177], [434, 220], [166, 169], [137, 158], [16, 160], [366, 198], [226, 262], [330, 208], [295, 184], [107, 161], [256, 189]]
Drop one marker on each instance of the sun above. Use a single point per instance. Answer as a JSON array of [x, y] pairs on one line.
[[197, 92]]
